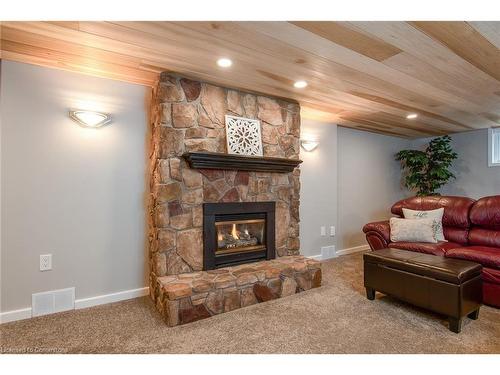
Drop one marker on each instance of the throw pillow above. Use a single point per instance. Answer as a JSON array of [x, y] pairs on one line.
[[437, 215], [412, 230]]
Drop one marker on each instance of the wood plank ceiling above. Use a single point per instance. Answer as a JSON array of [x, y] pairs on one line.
[[365, 75]]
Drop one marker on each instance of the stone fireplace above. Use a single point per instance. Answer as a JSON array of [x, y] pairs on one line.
[[188, 117]]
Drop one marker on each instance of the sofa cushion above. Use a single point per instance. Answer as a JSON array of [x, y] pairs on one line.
[[456, 209], [491, 275], [484, 237], [437, 215], [485, 219], [413, 230], [439, 248], [487, 256], [458, 235], [486, 213]]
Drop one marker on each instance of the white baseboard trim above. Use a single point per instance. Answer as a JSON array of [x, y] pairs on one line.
[[11, 316], [315, 257], [352, 250], [110, 298]]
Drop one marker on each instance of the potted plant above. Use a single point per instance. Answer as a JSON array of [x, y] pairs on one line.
[[426, 171]]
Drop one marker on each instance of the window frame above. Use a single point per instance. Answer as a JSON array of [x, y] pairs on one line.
[[491, 133]]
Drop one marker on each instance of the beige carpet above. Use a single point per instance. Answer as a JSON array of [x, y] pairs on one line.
[[336, 318]]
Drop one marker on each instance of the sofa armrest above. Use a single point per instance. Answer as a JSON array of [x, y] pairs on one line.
[[378, 234]]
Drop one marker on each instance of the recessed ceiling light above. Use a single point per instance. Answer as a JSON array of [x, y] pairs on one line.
[[300, 84], [224, 62], [411, 116], [90, 119]]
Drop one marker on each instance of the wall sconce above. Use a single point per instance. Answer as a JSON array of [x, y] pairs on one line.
[[90, 119], [309, 145]]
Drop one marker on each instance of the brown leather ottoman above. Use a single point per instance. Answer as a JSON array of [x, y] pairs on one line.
[[452, 287]]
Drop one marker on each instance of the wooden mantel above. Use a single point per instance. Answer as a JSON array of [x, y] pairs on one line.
[[214, 160]]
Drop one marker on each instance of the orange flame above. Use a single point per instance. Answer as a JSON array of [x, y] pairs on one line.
[[234, 232]]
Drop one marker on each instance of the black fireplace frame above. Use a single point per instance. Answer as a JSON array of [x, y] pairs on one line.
[[236, 211]]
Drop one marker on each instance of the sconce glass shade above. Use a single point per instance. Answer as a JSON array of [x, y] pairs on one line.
[[309, 145], [89, 119]]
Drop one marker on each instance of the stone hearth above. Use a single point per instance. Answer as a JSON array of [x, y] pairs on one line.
[[193, 296]]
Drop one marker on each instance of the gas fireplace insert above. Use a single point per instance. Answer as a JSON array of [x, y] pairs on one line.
[[236, 233]]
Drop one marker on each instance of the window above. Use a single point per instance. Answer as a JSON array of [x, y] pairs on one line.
[[494, 147]]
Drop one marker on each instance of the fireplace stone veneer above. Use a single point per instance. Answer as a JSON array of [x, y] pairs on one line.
[[188, 116]]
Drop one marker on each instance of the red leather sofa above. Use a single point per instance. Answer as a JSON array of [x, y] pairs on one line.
[[471, 227]]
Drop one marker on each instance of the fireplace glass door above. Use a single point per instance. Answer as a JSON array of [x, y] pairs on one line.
[[236, 236]]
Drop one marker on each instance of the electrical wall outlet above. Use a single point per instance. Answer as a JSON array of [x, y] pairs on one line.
[[45, 262], [323, 230], [332, 231]]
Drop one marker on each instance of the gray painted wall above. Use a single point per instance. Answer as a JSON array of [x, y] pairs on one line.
[[474, 178], [369, 181], [318, 195], [76, 193], [348, 181]]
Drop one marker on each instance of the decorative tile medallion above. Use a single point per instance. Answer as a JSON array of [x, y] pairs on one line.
[[243, 136]]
